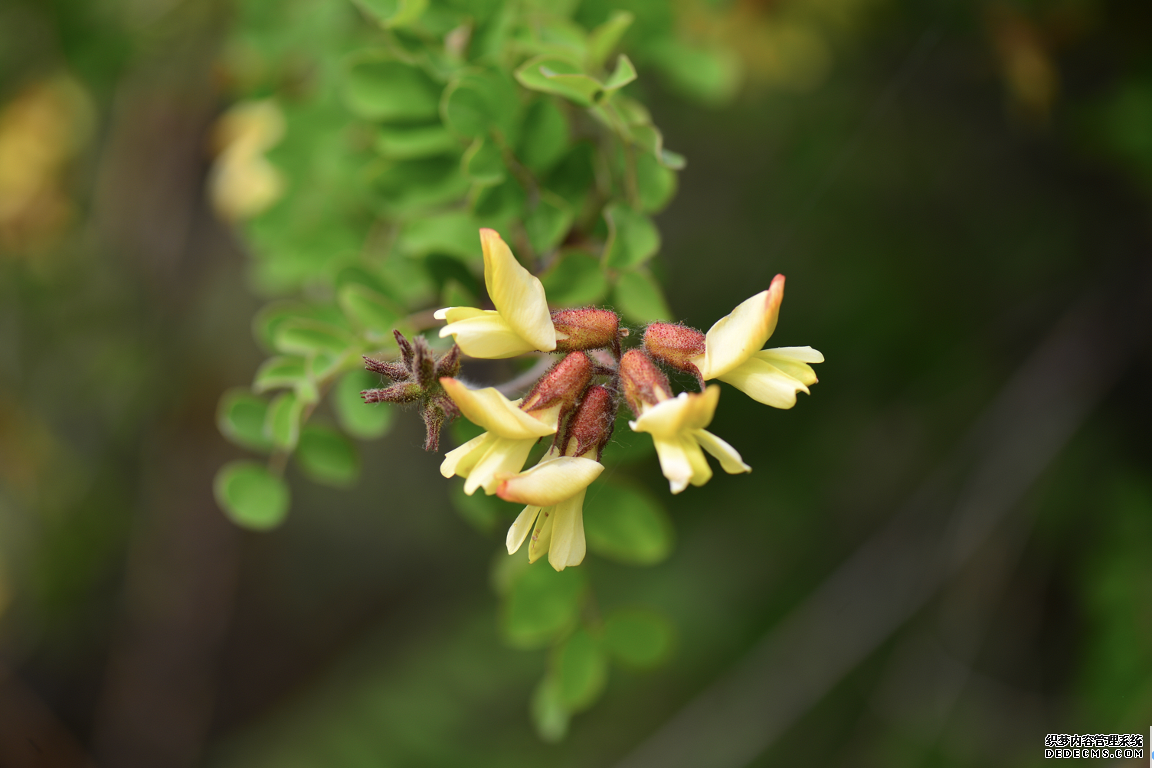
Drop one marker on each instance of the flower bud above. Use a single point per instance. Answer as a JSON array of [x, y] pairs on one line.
[[563, 383], [643, 382], [587, 328], [675, 344], [405, 392], [592, 424]]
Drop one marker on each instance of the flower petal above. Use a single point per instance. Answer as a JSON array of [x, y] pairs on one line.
[[542, 534], [486, 335], [517, 295], [675, 463], [792, 361], [701, 469], [765, 383], [520, 528], [568, 540], [744, 331], [490, 409], [687, 411], [460, 460], [453, 314], [722, 451], [505, 457], [550, 482]]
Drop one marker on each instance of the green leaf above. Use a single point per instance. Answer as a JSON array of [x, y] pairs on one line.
[[326, 456], [656, 184], [639, 299], [394, 13], [637, 638], [623, 74], [495, 206], [406, 143], [482, 162], [250, 496], [240, 418], [553, 74], [604, 38], [575, 280], [573, 176], [454, 233], [580, 671], [548, 223], [550, 717], [542, 604], [279, 373], [627, 524], [545, 136], [633, 237], [366, 421], [368, 310], [307, 337], [478, 103], [282, 422], [414, 186], [377, 87]]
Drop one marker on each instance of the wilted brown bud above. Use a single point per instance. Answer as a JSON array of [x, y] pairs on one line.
[[675, 344], [642, 381], [592, 424], [587, 328], [563, 383]]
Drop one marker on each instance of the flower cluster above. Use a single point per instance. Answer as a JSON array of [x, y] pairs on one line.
[[575, 402]]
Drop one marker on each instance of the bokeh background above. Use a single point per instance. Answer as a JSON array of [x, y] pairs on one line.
[[940, 557]]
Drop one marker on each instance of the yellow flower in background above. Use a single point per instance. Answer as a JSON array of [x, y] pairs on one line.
[[677, 425], [554, 492], [519, 324], [734, 354], [510, 434], [243, 182]]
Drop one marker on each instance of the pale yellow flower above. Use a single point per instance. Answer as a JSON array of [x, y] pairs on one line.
[[554, 492], [677, 425], [734, 354], [242, 182], [510, 434], [519, 324]]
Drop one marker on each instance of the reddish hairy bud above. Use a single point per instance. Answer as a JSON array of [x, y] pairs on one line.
[[397, 393], [592, 423], [675, 345], [563, 383], [642, 381], [587, 328]]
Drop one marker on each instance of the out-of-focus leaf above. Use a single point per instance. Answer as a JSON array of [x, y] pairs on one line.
[[542, 604], [656, 183], [483, 512], [637, 638], [356, 417], [626, 445], [240, 417], [280, 372], [250, 496], [575, 280], [370, 311], [633, 237], [548, 223], [454, 233], [604, 38], [545, 136], [626, 524], [552, 74], [639, 299], [710, 76], [482, 163], [394, 13], [580, 670], [409, 142], [282, 421], [497, 205], [377, 87], [326, 456], [550, 717], [623, 74], [477, 104], [414, 186], [573, 176], [307, 337]]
